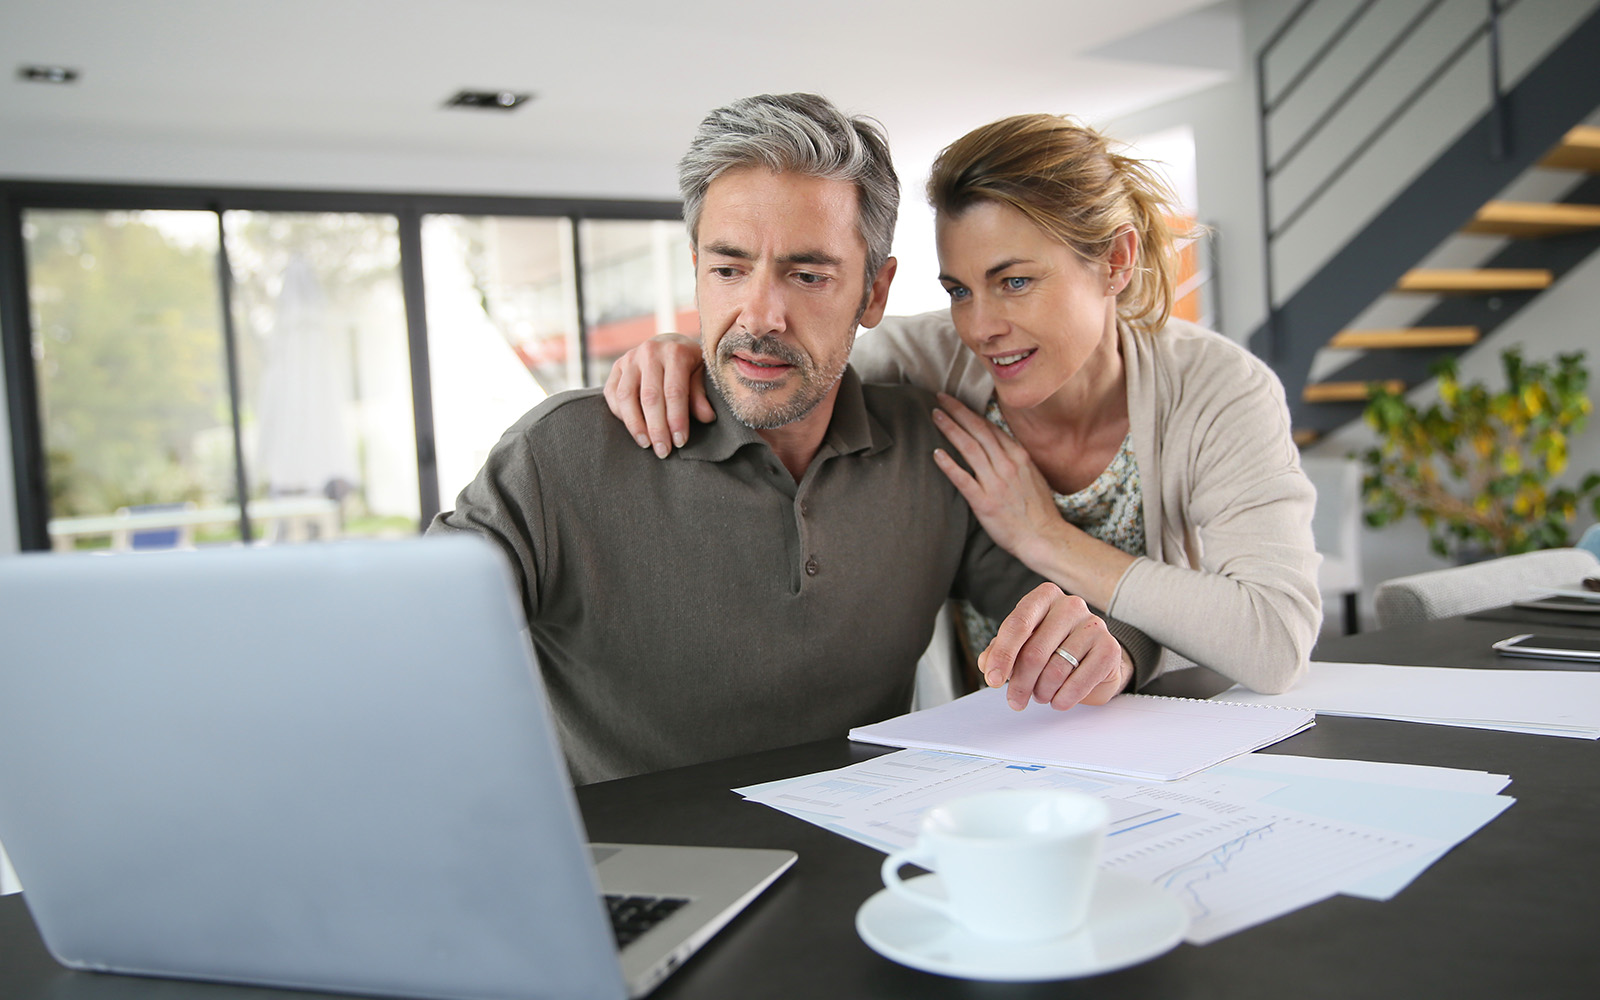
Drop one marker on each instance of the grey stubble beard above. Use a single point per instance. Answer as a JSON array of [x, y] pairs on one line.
[[815, 383]]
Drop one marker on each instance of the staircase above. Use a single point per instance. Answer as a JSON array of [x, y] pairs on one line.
[[1531, 125]]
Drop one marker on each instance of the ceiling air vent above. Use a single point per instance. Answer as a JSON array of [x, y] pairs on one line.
[[47, 74], [490, 100]]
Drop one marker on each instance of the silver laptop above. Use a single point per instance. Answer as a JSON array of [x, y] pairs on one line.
[[323, 766]]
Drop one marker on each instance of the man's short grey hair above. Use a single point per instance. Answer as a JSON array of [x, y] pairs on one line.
[[803, 134]]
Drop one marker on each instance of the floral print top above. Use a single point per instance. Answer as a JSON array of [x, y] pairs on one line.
[[1110, 509]]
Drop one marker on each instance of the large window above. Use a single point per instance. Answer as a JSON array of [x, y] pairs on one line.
[[130, 363], [211, 367], [326, 416], [638, 281], [503, 316], [502, 330]]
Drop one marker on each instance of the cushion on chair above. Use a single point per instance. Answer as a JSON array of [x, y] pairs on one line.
[[1336, 522], [1591, 540], [1462, 590]]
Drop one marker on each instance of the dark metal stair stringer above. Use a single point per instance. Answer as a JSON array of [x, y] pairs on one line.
[[1558, 254], [1559, 92]]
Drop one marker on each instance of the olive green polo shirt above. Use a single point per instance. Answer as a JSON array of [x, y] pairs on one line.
[[706, 605]]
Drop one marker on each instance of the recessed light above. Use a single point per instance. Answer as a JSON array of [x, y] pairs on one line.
[[48, 74], [492, 100]]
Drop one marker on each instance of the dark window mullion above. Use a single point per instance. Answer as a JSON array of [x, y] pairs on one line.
[[230, 343], [577, 287], [416, 306], [30, 479]]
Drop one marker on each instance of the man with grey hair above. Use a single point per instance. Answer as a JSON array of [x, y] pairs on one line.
[[774, 579], [792, 153]]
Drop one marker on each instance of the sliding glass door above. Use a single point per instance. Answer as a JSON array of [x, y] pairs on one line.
[[504, 328], [327, 428], [131, 373]]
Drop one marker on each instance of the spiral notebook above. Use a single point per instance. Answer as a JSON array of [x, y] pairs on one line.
[[1137, 735]]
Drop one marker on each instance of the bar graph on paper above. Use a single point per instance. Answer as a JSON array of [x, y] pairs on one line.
[[1238, 871]]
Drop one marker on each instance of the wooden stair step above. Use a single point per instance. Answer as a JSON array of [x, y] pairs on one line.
[[1579, 149], [1527, 219], [1417, 336], [1346, 392], [1475, 280]]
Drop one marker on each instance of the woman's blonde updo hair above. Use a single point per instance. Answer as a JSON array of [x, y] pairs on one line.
[[1064, 177]]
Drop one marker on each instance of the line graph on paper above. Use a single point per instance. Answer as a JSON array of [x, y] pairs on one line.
[[1235, 872]]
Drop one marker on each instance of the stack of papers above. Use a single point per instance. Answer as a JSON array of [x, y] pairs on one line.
[[1143, 736], [1546, 702], [1592, 596], [1241, 843]]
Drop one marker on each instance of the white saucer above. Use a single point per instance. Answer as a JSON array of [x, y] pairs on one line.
[[1129, 921]]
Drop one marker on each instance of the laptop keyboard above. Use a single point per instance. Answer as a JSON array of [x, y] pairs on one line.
[[632, 916]]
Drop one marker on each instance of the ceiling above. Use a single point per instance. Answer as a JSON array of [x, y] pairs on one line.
[[342, 94]]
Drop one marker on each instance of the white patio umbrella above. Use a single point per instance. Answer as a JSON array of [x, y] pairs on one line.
[[480, 386], [304, 441]]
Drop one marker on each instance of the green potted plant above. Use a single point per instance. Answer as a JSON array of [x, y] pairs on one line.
[[1478, 467]]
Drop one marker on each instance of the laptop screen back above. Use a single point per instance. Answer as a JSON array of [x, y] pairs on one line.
[[326, 766]]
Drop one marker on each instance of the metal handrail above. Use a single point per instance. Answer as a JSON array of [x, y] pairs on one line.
[[1361, 80], [1273, 226], [1383, 126], [1317, 57]]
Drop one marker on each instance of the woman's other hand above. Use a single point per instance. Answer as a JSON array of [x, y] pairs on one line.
[[1054, 650], [1005, 489], [652, 388]]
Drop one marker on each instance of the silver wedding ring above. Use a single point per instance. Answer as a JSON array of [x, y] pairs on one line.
[[1062, 652]]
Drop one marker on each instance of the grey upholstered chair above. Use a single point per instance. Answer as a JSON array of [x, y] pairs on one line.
[[1461, 590], [1336, 528], [1591, 539]]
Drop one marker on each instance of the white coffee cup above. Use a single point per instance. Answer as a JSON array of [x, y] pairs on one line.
[[1015, 865]]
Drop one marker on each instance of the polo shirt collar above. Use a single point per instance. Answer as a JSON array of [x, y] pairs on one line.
[[852, 429]]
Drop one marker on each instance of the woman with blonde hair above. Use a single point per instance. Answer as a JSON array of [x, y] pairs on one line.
[[1136, 460]]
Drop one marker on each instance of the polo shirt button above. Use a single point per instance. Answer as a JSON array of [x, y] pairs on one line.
[[811, 566], [805, 508]]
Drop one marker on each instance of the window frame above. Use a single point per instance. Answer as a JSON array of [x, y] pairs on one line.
[[409, 209]]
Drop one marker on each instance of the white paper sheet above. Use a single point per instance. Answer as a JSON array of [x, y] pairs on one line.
[[1140, 735], [1374, 772], [1548, 702], [1240, 843], [1442, 803]]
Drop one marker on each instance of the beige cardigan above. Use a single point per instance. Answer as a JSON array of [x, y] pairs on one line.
[[1229, 575]]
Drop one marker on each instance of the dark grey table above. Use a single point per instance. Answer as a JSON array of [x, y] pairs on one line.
[[1512, 912]]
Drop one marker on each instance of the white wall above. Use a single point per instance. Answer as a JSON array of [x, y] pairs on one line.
[[916, 285], [208, 161], [1227, 195]]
